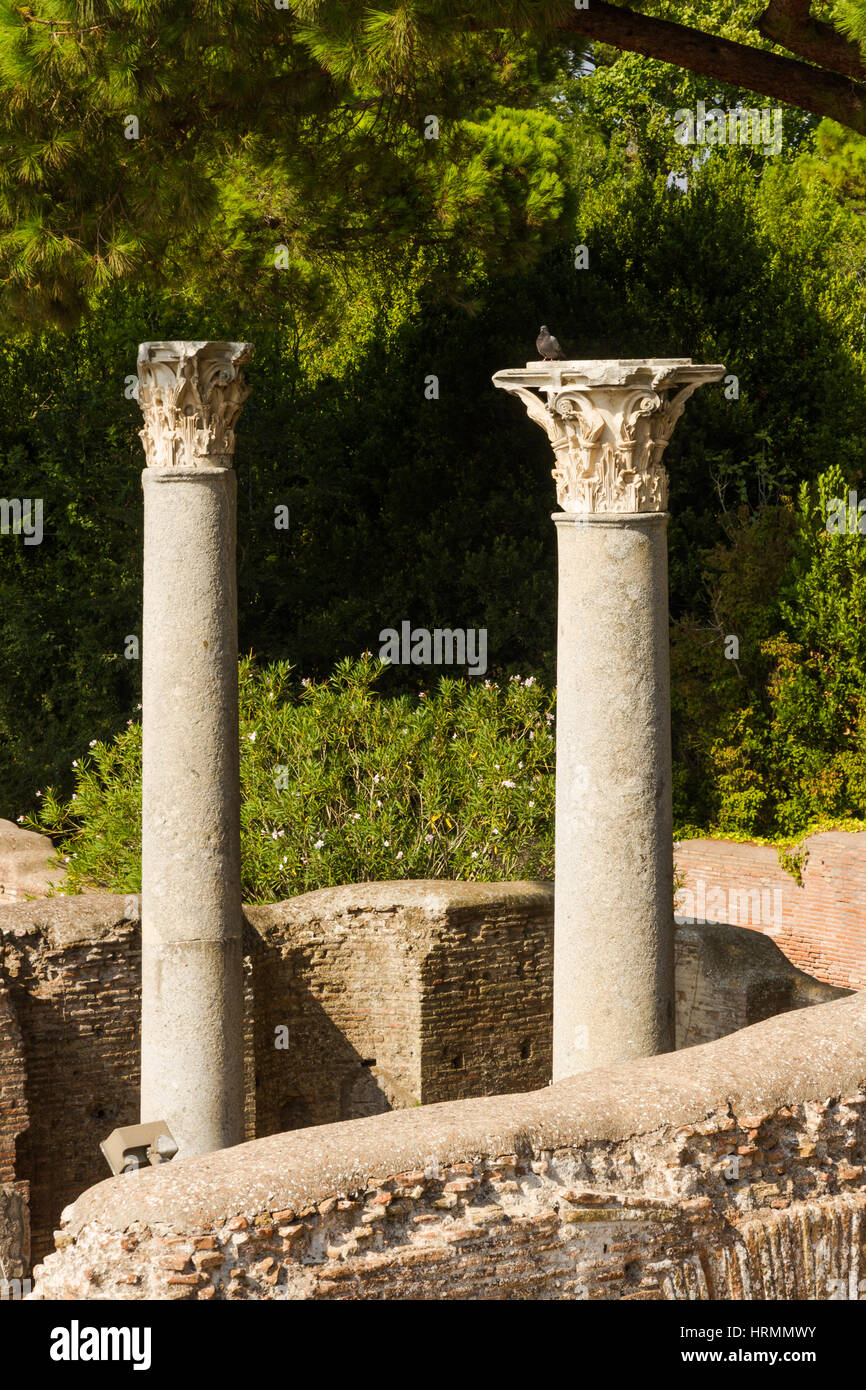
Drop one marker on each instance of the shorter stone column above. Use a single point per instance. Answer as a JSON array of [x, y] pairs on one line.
[[609, 424], [192, 953]]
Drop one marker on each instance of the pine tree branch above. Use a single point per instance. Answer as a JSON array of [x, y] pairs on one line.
[[825, 93], [64, 30], [790, 24]]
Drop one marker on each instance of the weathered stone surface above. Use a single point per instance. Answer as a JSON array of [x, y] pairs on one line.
[[609, 423], [26, 867], [614, 937], [14, 1232], [728, 977], [191, 394], [730, 1170]]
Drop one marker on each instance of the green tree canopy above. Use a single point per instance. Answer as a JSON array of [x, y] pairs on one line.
[[214, 143], [279, 144]]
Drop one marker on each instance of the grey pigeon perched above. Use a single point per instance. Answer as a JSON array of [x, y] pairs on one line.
[[548, 346]]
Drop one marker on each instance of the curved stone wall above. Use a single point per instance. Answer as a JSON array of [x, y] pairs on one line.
[[730, 1170]]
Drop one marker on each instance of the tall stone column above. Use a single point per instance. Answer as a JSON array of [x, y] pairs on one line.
[[191, 395], [609, 423]]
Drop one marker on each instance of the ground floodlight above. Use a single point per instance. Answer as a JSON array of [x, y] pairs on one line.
[[138, 1146]]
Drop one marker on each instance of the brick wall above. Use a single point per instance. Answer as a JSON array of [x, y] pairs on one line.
[[72, 969], [820, 926], [695, 1175], [398, 994], [387, 996], [728, 978], [14, 1118], [340, 983], [487, 995], [339, 976], [14, 1125]]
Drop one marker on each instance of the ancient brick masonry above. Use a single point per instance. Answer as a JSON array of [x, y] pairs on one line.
[[822, 926], [728, 977], [14, 1117], [633, 1183], [363, 984], [396, 994], [387, 996], [71, 969], [14, 1125], [513, 1227]]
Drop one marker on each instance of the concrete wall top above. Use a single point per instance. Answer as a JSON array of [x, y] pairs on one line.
[[69, 921], [425, 894], [813, 1053], [65, 921]]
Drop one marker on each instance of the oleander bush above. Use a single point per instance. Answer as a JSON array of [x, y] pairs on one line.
[[340, 783]]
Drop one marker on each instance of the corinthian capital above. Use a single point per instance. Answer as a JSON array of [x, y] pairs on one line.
[[609, 423], [191, 394]]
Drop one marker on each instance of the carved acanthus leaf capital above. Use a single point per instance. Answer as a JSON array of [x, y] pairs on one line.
[[191, 394], [609, 423]]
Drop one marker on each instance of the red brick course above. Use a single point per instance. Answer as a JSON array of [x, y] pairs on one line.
[[822, 926]]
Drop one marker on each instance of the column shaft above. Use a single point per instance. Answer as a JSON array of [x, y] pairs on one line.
[[613, 940], [192, 981]]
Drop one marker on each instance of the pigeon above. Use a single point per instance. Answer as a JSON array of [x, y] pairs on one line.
[[548, 346]]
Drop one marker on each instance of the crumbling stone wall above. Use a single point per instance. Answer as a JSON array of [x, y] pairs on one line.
[[399, 994], [72, 970], [386, 996], [820, 924], [733, 1170], [14, 1123], [727, 978]]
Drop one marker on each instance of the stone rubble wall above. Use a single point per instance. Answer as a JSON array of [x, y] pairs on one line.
[[390, 995], [823, 924], [732, 1170]]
